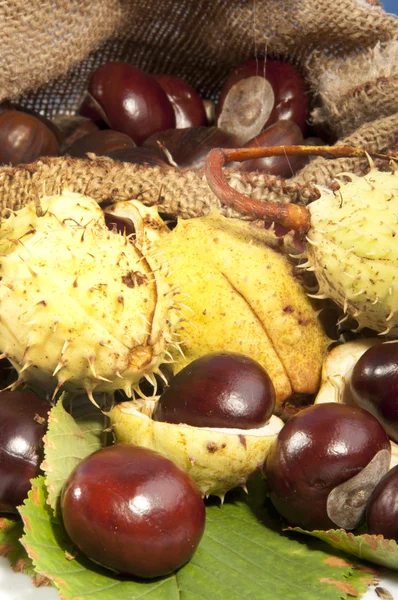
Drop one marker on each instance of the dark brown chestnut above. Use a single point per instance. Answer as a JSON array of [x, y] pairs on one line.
[[24, 138], [382, 507], [131, 101], [188, 106], [281, 133], [140, 156], [73, 127], [133, 511], [100, 143], [190, 147], [223, 389], [374, 385], [288, 85], [23, 423], [324, 464], [52, 126]]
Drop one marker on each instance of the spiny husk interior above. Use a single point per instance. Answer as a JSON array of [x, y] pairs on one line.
[[82, 306], [353, 248], [217, 459]]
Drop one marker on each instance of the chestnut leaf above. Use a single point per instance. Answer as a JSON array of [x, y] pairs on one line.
[[11, 530], [242, 554], [69, 439], [373, 548]]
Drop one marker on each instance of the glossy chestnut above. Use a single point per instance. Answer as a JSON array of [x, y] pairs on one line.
[[133, 511], [23, 423], [132, 101], [281, 133], [374, 385], [289, 87], [188, 106], [99, 143], [324, 464], [24, 138], [382, 507], [225, 389]]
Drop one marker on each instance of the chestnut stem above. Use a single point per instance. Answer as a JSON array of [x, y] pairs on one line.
[[291, 216]]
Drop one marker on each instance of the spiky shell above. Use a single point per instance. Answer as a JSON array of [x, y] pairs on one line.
[[82, 306], [217, 459], [353, 248]]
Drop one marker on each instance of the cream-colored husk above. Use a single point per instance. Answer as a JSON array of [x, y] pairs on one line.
[[353, 248], [217, 459], [82, 306]]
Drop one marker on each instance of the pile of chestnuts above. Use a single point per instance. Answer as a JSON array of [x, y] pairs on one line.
[[329, 466], [160, 119]]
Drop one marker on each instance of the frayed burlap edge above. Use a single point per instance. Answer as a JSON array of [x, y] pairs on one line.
[[183, 192]]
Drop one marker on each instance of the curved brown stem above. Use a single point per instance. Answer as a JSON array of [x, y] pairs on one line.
[[291, 216]]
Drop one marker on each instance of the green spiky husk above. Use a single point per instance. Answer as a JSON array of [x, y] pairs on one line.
[[353, 248]]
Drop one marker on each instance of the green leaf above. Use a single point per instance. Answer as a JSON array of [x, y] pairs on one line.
[[11, 530], [242, 555], [69, 439], [374, 548]]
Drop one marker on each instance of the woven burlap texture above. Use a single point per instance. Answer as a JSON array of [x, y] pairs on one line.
[[347, 51]]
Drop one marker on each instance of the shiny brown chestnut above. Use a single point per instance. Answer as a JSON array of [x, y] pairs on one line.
[[374, 385], [281, 133], [324, 464], [382, 507], [23, 423], [189, 147], [130, 100], [100, 143], [133, 511], [24, 138], [52, 126], [188, 106], [289, 87], [221, 389]]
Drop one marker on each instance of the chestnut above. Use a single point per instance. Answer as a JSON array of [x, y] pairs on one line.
[[374, 384], [154, 157], [100, 143], [324, 464], [288, 85], [190, 146], [225, 389], [188, 106], [246, 109], [130, 101], [382, 507], [24, 138], [133, 511], [281, 133], [23, 423], [73, 127]]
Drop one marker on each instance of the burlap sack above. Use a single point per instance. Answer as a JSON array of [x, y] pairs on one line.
[[347, 50]]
